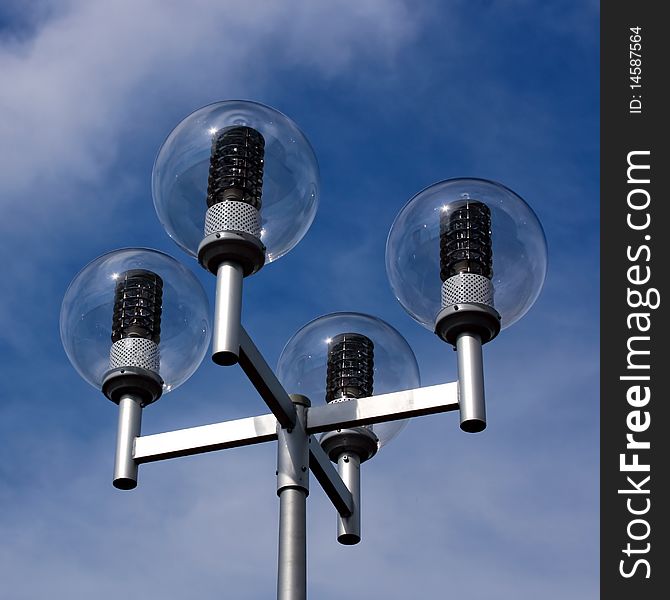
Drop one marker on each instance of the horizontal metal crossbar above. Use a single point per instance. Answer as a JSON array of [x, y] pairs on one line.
[[263, 428], [206, 438], [385, 407], [255, 430], [234, 434]]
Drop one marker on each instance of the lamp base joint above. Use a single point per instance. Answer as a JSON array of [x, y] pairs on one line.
[[471, 317], [359, 441], [134, 381], [232, 246]]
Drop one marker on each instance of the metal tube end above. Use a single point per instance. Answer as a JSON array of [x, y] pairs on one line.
[[473, 425], [471, 383], [349, 528], [125, 483], [225, 358], [227, 315], [130, 422], [348, 539]]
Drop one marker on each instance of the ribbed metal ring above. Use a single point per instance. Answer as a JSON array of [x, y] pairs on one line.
[[469, 288], [135, 352], [233, 216]]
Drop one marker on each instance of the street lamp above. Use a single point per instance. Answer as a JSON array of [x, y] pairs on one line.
[[236, 185], [345, 356], [135, 324], [467, 258]]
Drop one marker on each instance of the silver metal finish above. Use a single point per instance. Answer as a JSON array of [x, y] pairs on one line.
[[130, 422], [329, 478], [206, 438], [255, 430], [233, 216], [265, 381], [349, 528], [293, 489], [385, 407], [232, 249], [292, 559], [227, 314], [293, 452], [134, 352], [471, 382], [357, 440], [467, 288], [454, 319], [297, 452]]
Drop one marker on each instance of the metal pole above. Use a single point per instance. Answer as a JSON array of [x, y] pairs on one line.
[[471, 382], [227, 314], [292, 572], [130, 421], [292, 489], [349, 528]]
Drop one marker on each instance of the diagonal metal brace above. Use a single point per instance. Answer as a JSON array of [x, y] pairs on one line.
[[265, 381], [331, 482]]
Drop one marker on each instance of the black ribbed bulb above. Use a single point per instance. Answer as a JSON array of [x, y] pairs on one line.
[[350, 367], [465, 239], [138, 304], [236, 166]]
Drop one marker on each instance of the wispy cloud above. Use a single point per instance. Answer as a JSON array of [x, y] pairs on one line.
[[396, 97], [92, 71], [88, 82]]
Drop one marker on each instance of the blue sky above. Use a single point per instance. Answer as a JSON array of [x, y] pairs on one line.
[[393, 96]]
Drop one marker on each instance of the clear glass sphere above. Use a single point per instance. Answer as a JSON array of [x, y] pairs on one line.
[[290, 175], [88, 306], [517, 238], [302, 366]]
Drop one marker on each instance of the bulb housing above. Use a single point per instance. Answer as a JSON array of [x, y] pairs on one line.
[[350, 367], [138, 306], [136, 311], [346, 355], [239, 167], [236, 167], [467, 241]]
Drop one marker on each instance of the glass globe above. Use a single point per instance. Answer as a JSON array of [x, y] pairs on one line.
[[302, 366], [290, 177], [518, 243], [86, 316]]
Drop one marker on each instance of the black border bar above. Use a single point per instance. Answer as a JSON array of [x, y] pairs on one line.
[[635, 268]]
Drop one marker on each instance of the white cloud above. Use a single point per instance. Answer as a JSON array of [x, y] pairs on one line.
[[438, 505], [73, 86], [91, 80]]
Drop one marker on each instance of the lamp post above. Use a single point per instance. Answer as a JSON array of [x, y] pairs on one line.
[[236, 186]]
